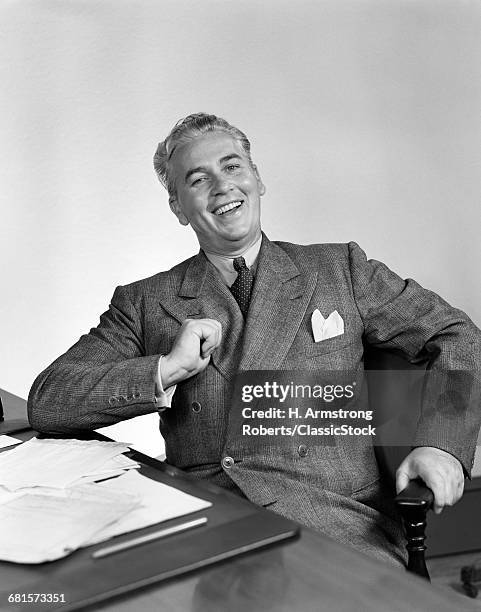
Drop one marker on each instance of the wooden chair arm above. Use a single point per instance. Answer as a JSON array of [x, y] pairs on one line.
[[413, 504]]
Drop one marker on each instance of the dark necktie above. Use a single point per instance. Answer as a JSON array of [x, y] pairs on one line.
[[242, 287]]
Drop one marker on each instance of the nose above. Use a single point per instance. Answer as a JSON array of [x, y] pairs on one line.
[[221, 185]]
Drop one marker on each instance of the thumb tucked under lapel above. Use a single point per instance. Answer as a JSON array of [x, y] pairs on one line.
[[279, 301]]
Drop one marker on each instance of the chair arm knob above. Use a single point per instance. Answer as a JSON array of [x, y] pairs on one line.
[[415, 495]]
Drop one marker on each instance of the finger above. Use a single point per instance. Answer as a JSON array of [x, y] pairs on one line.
[[453, 477], [460, 488], [455, 488], [402, 481], [212, 338], [211, 332], [458, 492], [199, 329], [438, 487], [202, 328]]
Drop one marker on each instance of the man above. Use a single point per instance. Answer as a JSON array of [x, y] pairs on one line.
[[245, 303]]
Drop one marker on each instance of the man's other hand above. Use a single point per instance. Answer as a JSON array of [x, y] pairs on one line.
[[441, 472], [193, 346]]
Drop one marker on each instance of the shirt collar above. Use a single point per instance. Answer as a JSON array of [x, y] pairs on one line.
[[225, 265]]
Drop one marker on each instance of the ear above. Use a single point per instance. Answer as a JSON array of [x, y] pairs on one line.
[[176, 209], [260, 184]]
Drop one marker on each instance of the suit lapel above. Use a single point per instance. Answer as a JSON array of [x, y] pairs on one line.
[[279, 300], [280, 297], [203, 294], [182, 302]]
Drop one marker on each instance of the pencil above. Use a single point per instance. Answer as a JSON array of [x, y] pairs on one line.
[[156, 535]]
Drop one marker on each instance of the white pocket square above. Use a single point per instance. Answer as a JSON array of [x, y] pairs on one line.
[[323, 329]]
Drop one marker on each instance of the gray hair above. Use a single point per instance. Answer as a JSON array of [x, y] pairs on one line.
[[185, 131]]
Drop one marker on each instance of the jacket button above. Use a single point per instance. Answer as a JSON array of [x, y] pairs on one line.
[[112, 401], [227, 462], [196, 406], [302, 450], [136, 394]]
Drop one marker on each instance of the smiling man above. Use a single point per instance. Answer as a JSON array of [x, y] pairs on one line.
[[176, 341], [217, 192]]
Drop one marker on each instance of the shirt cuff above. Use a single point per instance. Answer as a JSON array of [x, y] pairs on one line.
[[163, 398]]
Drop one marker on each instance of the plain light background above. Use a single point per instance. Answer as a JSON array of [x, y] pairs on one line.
[[364, 118]]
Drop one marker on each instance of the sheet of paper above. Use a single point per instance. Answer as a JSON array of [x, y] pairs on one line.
[[54, 463], [140, 432], [42, 527], [8, 441], [159, 502], [113, 467]]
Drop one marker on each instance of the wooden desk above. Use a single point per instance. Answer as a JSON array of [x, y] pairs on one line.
[[313, 573], [291, 578]]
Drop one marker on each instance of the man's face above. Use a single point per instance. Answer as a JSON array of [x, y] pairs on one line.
[[218, 193]]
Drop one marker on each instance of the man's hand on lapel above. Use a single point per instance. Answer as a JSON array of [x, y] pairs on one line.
[[190, 354], [441, 472]]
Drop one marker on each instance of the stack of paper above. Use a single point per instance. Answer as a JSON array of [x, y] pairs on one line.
[[46, 509], [56, 463], [50, 504], [43, 526]]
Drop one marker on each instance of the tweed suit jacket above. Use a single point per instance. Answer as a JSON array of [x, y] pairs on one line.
[[109, 375]]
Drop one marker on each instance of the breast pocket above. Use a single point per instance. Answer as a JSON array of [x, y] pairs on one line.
[[304, 347], [323, 347]]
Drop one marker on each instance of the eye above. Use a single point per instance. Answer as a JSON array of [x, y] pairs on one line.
[[198, 181], [232, 167]]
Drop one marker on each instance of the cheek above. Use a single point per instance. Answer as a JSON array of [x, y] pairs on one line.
[[192, 206], [249, 185]]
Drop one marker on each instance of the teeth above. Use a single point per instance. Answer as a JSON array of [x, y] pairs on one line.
[[227, 207]]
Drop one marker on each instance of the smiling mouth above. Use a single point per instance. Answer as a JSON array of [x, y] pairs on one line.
[[228, 207]]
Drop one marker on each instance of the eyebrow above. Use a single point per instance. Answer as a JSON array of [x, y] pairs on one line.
[[222, 160], [229, 157]]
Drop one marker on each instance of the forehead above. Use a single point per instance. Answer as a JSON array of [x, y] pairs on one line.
[[205, 151]]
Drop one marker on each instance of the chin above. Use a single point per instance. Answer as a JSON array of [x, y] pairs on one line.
[[241, 236]]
